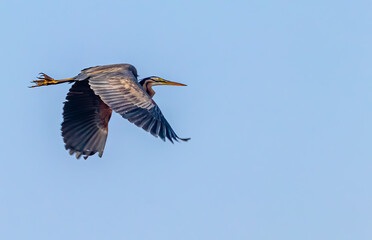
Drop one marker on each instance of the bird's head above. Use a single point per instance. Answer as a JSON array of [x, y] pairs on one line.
[[148, 82], [159, 81]]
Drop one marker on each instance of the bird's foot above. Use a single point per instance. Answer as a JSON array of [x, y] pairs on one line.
[[43, 80]]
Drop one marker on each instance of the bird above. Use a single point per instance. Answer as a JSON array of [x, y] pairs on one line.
[[99, 90]]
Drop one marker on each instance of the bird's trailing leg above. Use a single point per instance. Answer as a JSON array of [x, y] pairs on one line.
[[44, 80]]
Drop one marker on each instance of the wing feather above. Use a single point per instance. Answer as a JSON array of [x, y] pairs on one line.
[[85, 121]]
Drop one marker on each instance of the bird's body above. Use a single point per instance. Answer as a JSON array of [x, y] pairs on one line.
[[99, 90]]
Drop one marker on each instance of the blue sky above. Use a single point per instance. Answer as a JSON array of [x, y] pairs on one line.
[[278, 106]]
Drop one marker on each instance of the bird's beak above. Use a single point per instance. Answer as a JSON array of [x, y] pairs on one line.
[[166, 82]]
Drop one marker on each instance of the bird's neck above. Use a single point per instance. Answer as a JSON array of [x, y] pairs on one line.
[[147, 86]]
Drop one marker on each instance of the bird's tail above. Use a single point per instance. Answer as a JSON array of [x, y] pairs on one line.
[[45, 80]]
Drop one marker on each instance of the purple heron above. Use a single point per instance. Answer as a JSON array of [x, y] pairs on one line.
[[99, 90]]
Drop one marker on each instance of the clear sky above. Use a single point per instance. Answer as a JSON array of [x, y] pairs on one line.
[[278, 108]]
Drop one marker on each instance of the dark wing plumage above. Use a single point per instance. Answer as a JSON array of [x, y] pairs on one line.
[[85, 121], [122, 93], [153, 121]]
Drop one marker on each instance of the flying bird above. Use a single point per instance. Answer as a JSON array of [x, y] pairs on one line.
[[99, 90]]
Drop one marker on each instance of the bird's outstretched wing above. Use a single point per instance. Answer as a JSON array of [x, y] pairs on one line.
[[85, 121], [122, 93]]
